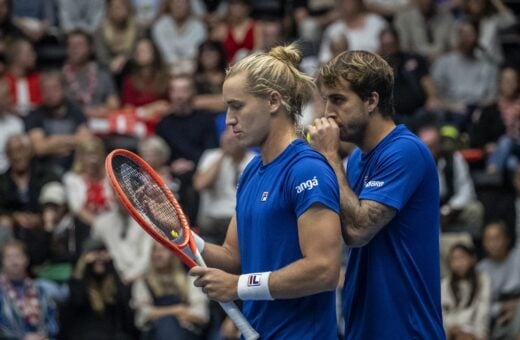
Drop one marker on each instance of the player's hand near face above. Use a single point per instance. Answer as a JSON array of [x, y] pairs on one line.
[[217, 284], [324, 133]]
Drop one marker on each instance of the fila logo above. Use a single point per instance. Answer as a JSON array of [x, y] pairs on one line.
[[254, 280], [264, 196]]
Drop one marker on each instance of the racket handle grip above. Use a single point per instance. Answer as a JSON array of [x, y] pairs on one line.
[[239, 320]]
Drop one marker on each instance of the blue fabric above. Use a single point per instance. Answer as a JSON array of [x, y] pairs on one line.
[[270, 199], [392, 284]]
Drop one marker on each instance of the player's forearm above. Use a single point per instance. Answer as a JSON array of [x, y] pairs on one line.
[[221, 257]]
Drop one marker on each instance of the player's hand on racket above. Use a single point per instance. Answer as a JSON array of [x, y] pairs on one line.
[[217, 284], [324, 136]]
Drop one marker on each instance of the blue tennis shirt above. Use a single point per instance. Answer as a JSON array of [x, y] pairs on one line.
[[392, 284], [270, 199]]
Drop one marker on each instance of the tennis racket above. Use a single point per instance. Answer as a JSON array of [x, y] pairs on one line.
[[150, 202]]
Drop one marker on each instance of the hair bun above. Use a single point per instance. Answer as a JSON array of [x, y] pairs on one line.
[[287, 54]]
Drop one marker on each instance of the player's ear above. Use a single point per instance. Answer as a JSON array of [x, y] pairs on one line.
[[372, 102], [275, 102]]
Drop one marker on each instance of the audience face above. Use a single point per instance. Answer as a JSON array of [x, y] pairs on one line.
[[99, 261], [78, 49], [271, 34], [144, 54], [461, 262], [53, 94], [180, 9], [468, 38], [5, 101], [181, 94], [20, 153], [153, 155], [4, 10], [508, 85], [475, 7], [210, 59], [161, 257], [426, 6], [496, 242], [351, 7], [118, 11], [91, 155], [431, 137], [25, 56], [389, 45], [238, 10], [14, 262]]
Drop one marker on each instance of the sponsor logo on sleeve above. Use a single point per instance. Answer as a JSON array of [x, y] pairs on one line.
[[264, 196], [374, 184], [307, 185]]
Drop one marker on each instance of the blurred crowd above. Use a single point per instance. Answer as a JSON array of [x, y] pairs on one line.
[[81, 78]]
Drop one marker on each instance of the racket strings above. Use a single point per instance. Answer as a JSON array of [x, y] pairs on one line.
[[148, 198]]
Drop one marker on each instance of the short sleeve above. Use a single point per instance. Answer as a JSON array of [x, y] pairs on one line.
[[312, 181], [397, 175]]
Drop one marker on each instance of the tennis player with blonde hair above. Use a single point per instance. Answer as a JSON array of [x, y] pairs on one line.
[[282, 251]]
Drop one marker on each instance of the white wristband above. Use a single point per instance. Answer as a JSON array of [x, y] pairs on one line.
[[254, 286], [199, 241]]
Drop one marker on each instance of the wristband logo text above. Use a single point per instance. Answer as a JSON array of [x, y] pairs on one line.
[[308, 184], [254, 280]]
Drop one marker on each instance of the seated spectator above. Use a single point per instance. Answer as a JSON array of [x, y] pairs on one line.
[[10, 124], [57, 126], [87, 187], [209, 77], [88, 85], [35, 18], [23, 80], [360, 28], [425, 28], [98, 307], [414, 88], [239, 34], [81, 15], [465, 296], [156, 153], [216, 180], [20, 187], [8, 30], [313, 17], [166, 301], [491, 17], [188, 132], [178, 34], [146, 12], [128, 244], [115, 39], [463, 79], [27, 312], [502, 265]]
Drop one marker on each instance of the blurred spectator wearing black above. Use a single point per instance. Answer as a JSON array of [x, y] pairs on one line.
[[20, 188], [463, 79], [115, 39], [209, 77], [465, 294], [168, 305], [426, 28], [10, 124], [57, 126], [99, 302], [81, 15], [88, 84], [188, 132], [500, 119], [88, 190], [178, 34], [414, 88], [27, 312], [492, 16], [238, 33], [22, 77], [502, 265]]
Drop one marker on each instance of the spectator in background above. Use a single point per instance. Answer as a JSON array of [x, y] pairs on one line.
[[502, 265], [34, 17], [115, 39], [491, 17], [167, 303], [81, 15], [188, 132], [146, 12], [146, 85], [238, 33], [360, 28], [387, 8], [313, 17], [10, 124], [27, 312], [8, 30], [414, 88], [209, 77], [178, 34], [156, 153], [465, 295], [57, 126], [463, 79], [98, 307], [88, 85], [22, 78], [128, 244], [499, 120], [426, 29], [88, 190], [216, 180]]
